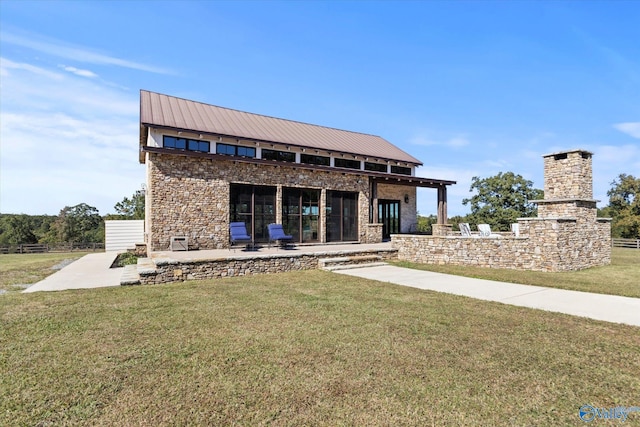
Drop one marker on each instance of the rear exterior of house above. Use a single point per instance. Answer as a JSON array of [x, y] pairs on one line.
[[208, 166]]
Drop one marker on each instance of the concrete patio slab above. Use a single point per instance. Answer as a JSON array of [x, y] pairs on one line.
[[90, 271]]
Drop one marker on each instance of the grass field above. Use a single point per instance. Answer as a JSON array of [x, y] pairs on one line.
[[621, 277], [311, 348], [17, 270]]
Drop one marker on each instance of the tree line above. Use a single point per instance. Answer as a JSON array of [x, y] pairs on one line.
[[501, 199], [81, 223], [498, 201]]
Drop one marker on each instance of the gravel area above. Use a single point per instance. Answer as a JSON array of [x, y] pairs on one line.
[[62, 264]]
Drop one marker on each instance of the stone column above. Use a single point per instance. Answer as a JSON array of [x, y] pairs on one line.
[[278, 204], [441, 229]]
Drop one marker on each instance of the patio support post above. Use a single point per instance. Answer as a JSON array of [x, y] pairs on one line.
[[442, 204]]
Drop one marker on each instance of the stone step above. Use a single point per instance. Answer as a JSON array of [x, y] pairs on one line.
[[146, 266], [346, 262], [130, 275], [352, 266]]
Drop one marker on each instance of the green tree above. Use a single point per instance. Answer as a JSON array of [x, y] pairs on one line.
[[16, 230], [132, 208], [624, 206], [501, 200], [425, 223], [80, 223]]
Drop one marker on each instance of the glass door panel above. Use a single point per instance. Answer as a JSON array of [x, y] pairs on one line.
[[389, 217]]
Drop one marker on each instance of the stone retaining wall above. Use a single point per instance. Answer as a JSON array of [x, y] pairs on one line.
[[544, 245], [171, 270]]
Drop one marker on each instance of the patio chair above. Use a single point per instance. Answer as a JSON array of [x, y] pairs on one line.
[[238, 234], [276, 233], [485, 231], [515, 229], [465, 230]]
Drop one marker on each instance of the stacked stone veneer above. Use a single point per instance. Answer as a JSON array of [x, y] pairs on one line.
[[565, 236], [165, 270], [189, 196]]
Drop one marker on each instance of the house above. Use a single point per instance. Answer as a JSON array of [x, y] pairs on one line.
[[208, 166]]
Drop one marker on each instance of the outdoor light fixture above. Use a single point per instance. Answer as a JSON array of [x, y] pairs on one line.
[[406, 198]]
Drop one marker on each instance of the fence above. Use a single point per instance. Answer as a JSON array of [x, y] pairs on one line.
[[51, 247], [626, 243]]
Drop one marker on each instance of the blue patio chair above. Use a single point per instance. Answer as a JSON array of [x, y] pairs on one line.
[[238, 234], [276, 233]]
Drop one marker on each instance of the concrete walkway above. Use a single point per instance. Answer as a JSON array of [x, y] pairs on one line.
[[610, 308], [90, 271]]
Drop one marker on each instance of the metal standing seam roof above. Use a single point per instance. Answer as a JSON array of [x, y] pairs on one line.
[[177, 113]]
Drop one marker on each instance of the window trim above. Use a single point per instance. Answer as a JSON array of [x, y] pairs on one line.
[[235, 149], [278, 155], [376, 167], [348, 163], [401, 170], [187, 143], [311, 159]]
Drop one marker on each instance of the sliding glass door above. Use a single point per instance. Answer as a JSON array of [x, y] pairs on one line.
[[300, 213], [255, 206], [342, 216]]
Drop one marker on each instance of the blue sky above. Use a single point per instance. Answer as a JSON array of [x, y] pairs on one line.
[[472, 88]]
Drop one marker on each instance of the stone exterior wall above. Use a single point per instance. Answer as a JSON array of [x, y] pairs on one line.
[[408, 211], [566, 236], [189, 196]]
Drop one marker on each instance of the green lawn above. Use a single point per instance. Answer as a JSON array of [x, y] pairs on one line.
[[621, 277], [311, 348], [17, 270]]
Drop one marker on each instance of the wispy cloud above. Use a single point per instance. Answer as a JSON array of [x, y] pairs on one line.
[[79, 72], [75, 137], [7, 65], [630, 128], [76, 53]]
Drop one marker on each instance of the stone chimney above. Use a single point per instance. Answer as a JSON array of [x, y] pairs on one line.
[[568, 186]]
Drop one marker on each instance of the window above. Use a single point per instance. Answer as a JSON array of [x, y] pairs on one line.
[[185, 144], [280, 156], [346, 163], [246, 151], [195, 145], [375, 167], [315, 160], [235, 150], [400, 170]]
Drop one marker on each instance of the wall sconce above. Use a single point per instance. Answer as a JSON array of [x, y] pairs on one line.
[[406, 198]]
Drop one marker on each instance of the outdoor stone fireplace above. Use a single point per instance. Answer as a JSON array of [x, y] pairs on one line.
[[566, 235]]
